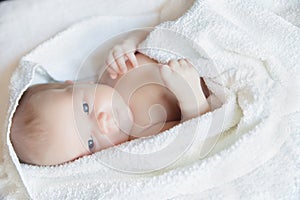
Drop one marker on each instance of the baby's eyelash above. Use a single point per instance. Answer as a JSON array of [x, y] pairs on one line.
[[86, 108], [91, 144]]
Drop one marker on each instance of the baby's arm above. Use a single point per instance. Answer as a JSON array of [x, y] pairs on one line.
[[183, 80]]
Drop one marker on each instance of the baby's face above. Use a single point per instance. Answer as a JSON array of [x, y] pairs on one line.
[[80, 119]]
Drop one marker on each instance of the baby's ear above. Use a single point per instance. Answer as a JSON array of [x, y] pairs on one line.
[[69, 82]]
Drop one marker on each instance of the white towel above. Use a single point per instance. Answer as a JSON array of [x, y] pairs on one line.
[[125, 16], [255, 65]]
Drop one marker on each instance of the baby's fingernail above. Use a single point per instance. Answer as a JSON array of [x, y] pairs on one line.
[[113, 76], [165, 67]]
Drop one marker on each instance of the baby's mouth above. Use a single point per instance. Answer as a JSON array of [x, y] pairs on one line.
[[122, 113], [117, 119]]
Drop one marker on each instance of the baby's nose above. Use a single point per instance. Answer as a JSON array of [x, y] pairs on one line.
[[102, 121]]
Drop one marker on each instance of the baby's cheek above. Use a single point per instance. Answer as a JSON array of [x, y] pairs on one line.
[[113, 126], [118, 137]]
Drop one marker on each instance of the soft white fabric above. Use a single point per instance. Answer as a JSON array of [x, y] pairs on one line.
[[255, 74], [25, 24], [254, 47]]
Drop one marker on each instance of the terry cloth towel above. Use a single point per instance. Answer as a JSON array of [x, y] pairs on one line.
[[248, 147]]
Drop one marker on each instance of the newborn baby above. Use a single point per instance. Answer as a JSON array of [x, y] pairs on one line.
[[136, 97]]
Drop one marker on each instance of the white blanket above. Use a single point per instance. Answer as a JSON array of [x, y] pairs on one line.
[[250, 65], [252, 48], [25, 24]]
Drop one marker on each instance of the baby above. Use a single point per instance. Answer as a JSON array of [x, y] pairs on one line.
[[136, 97]]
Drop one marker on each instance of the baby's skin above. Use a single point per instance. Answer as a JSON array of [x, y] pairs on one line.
[[177, 85], [135, 97]]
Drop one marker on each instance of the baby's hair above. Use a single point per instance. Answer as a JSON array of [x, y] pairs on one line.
[[27, 130]]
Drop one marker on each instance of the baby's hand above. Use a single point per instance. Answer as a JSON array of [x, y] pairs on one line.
[[183, 80], [117, 57]]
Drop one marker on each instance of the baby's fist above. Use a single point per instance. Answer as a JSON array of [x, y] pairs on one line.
[[181, 78]]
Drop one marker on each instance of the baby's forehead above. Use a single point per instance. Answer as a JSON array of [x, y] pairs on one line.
[[42, 88], [45, 86], [47, 93], [35, 89]]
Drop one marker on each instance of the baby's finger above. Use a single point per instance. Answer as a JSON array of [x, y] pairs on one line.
[[111, 63], [188, 62], [112, 73], [122, 64], [173, 64], [183, 63], [119, 57], [132, 58], [165, 72]]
